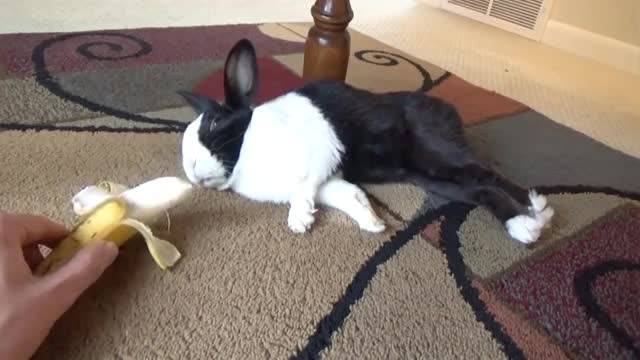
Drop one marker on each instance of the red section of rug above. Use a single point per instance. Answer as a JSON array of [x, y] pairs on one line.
[[475, 104], [275, 80], [533, 343], [618, 295], [548, 291], [170, 45]]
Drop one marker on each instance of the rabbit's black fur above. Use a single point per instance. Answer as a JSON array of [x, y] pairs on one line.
[[411, 137]]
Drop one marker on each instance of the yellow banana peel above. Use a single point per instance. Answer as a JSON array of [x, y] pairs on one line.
[[113, 212]]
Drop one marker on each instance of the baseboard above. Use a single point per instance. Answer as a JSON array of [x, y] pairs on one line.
[[594, 46], [434, 3]]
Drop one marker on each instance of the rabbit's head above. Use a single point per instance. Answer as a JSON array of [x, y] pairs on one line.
[[211, 143]]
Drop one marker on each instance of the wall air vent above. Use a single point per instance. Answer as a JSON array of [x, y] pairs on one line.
[[523, 17]]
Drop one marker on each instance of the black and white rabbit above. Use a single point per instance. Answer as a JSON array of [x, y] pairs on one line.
[[312, 145]]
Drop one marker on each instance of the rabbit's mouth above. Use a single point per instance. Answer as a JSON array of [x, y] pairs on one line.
[[213, 182]]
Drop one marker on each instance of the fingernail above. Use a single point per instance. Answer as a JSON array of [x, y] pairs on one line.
[[108, 249], [111, 253], [111, 248]]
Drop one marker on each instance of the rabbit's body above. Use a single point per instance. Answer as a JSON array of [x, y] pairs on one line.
[[311, 145], [281, 150]]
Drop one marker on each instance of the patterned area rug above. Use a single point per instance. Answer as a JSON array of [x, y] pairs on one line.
[[444, 281]]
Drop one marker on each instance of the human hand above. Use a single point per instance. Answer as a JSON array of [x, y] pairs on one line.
[[30, 305]]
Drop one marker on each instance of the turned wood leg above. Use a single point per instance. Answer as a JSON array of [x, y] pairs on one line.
[[326, 53]]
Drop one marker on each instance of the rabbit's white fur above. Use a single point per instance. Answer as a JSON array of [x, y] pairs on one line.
[[285, 158]]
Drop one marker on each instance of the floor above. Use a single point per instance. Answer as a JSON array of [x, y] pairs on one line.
[[592, 98]]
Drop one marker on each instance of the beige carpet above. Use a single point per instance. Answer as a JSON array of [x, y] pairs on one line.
[[239, 291], [246, 288]]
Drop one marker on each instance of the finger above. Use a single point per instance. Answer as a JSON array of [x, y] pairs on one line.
[[32, 255], [67, 283], [32, 229]]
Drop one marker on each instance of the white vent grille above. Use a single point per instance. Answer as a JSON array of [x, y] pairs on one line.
[[524, 17], [480, 6]]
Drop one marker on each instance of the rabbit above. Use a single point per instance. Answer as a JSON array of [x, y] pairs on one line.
[[313, 144]]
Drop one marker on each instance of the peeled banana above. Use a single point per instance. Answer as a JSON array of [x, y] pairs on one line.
[[112, 212]]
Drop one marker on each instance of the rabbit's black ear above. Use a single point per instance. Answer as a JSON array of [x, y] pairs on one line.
[[240, 75], [199, 103]]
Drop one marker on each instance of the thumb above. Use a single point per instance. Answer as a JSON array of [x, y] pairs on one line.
[[66, 284]]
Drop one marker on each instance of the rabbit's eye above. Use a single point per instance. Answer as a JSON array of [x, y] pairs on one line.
[[213, 125]]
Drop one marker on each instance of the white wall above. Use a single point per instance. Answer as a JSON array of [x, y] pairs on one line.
[[617, 19]]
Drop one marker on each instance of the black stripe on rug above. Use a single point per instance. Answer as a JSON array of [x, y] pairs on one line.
[[90, 128], [453, 215]]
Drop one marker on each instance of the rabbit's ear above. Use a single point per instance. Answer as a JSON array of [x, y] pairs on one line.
[[240, 75], [199, 103]]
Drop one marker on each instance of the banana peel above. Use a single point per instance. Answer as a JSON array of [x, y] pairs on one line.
[[114, 212]]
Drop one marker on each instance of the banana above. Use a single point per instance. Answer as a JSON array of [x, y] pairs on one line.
[[113, 212]]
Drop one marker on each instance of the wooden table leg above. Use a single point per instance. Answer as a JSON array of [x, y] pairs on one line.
[[327, 50]]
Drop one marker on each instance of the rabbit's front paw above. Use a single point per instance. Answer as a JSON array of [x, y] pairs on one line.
[[369, 220], [300, 219], [373, 223]]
